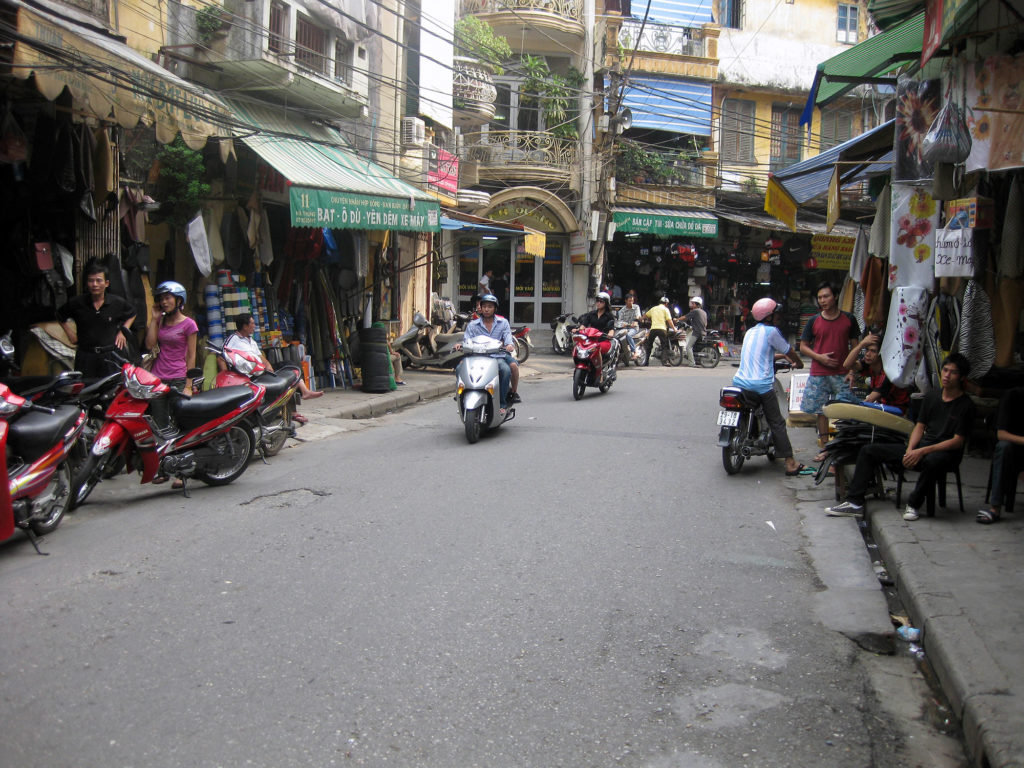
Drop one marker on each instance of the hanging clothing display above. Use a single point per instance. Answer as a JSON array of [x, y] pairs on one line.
[[915, 216], [902, 345], [917, 104], [1011, 247], [977, 341]]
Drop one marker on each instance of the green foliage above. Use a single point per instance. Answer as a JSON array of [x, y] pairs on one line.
[[553, 94], [209, 20], [636, 164], [182, 185], [475, 39]]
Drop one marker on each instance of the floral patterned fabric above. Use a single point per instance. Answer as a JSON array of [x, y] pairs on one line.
[[994, 112], [915, 215], [917, 104], [902, 345]]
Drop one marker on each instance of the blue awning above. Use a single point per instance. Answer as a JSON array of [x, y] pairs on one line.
[[869, 153], [454, 225], [663, 104], [683, 13]]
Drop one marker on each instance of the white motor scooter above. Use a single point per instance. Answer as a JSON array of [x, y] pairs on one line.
[[478, 388]]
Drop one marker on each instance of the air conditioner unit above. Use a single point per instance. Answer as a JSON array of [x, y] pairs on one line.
[[414, 132]]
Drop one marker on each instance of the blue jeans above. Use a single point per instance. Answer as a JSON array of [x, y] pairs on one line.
[[1007, 459], [504, 377]]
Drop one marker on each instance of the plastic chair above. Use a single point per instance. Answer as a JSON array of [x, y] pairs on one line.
[[939, 486]]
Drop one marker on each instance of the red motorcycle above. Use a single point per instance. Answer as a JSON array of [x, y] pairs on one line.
[[593, 368], [162, 433], [35, 443], [275, 422]]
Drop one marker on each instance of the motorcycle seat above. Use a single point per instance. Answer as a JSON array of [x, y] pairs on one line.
[[34, 433], [277, 382], [210, 404]]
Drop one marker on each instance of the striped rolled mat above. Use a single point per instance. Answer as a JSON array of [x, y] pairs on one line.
[[214, 319]]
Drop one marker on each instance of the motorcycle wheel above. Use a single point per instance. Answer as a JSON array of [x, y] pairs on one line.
[[57, 501], [732, 459], [473, 417], [602, 388], [641, 355], [88, 475], [522, 350], [710, 357], [275, 443], [675, 354], [557, 348], [238, 441], [579, 383]]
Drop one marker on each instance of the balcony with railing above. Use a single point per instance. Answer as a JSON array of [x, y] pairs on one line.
[[539, 25], [473, 92], [666, 48], [664, 178], [523, 156]]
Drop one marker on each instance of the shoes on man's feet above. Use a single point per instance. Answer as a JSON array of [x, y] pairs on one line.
[[514, 398], [910, 514], [986, 517], [846, 509]]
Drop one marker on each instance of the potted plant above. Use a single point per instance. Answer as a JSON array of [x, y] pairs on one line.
[[474, 39]]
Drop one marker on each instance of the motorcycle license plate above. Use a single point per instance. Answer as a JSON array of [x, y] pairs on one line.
[[728, 418]]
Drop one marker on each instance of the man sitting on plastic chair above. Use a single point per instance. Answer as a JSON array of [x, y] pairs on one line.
[[935, 446], [1008, 456]]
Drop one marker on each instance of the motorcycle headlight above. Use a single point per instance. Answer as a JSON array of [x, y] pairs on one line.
[[140, 391], [584, 353], [6, 409]]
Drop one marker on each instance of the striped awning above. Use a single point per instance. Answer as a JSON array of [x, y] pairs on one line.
[[875, 56], [330, 185], [682, 13], [670, 222], [665, 104]]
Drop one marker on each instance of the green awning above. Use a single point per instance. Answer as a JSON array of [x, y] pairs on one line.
[[875, 56], [329, 184], [665, 221], [888, 13]]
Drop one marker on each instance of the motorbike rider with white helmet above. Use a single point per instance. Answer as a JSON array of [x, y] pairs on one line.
[[697, 319], [602, 318], [756, 375], [661, 320], [496, 327], [175, 333]]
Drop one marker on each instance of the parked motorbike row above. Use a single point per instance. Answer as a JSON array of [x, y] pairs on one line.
[[433, 343], [60, 437], [707, 352]]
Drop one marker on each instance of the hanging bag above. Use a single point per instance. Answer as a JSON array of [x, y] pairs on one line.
[[948, 140]]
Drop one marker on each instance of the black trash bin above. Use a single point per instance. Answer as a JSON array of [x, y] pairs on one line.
[[373, 356]]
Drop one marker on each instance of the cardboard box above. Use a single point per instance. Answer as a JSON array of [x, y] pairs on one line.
[[980, 212]]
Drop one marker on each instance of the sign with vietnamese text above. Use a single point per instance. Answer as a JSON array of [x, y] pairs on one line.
[[335, 209]]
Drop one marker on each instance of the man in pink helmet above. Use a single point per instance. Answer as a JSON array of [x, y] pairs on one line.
[[756, 375]]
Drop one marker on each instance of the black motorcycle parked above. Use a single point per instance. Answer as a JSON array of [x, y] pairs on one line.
[[744, 430]]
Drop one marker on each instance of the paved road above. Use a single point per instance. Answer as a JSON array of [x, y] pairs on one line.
[[583, 588]]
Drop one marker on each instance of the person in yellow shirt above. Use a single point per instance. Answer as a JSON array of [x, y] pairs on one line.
[[661, 320]]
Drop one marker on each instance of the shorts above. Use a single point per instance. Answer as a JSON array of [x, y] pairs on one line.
[[821, 390]]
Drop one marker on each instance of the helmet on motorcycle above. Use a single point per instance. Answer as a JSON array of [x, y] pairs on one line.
[[764, 307], [664, 299], [175, 289], [697, 300], [602, 296], [489, 297]]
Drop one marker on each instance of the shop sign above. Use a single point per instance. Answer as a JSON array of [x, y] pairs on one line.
[[954, 253], [832, 251], [442, 170], [779, 203], [663, 224], [335, 209], [579, 248]]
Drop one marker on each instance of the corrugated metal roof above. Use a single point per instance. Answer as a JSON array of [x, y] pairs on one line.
[[664, 104], [809, 179], [764, 221], [315, 156], [684, 13]]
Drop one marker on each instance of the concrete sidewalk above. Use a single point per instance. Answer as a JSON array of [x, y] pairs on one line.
[[957, 579]]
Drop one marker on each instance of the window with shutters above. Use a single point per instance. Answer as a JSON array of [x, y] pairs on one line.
[[310, 45], [738, 131], [785, 139], [343, 61], [836, 127], [278, 42], [846, 27], [731, 13]]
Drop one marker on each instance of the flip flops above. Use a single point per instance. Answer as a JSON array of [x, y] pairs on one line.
[[986, 517], [802, 471]]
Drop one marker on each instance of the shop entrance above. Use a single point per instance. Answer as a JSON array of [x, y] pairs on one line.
[[529, 290]]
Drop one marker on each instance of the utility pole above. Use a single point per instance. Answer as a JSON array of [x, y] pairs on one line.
[[604, 160]]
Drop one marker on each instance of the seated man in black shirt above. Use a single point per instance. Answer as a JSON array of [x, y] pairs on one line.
[[101, 319], [1008, 456], [935, 446]]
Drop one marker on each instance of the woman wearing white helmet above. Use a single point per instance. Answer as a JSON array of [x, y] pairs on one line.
[[756, 375], [175, 333], [602, 318]]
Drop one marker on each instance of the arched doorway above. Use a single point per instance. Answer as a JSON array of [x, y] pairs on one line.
[[536, 283]]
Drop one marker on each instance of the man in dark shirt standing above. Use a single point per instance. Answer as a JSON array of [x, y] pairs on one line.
[[101, 319], [1008, 456], [697, 319], [935, 446]]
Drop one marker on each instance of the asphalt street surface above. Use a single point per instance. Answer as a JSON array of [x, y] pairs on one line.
[[584, 587]]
